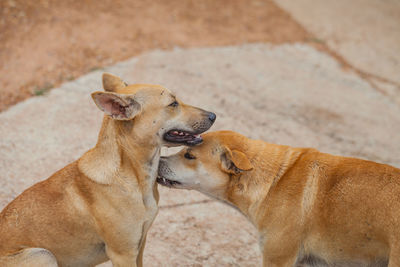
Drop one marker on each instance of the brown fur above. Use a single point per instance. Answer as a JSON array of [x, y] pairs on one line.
[[101, 206], [308, 206]]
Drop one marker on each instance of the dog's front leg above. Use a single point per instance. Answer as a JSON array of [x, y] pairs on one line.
[[139, 260], [278, 262], [287, 260], [280, 254], [126, 258]]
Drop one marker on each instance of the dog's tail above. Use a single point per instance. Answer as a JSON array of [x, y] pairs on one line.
[[30, 257]]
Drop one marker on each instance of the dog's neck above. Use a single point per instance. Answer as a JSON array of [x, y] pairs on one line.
[[120, 155], [248, 191]]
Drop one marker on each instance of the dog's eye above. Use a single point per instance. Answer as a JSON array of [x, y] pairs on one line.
[[174, 104], [189, 156]]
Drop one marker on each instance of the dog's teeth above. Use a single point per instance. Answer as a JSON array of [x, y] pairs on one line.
[[180, 133], [175, 132], [164, 180]]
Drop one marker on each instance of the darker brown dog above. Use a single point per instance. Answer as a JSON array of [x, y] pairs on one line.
[[308, 206], [101, 206]]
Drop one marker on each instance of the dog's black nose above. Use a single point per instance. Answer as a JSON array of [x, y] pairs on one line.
[[212, 116]]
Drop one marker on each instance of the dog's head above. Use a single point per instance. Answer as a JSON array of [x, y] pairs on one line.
[[209, 167], [154, 111]]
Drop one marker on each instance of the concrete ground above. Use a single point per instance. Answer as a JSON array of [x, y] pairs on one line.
[[365, 33], [288, 94], [44, 43]]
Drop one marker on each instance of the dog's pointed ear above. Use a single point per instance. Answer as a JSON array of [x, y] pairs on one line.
[[234, 161], [117, 106], [112, 83]]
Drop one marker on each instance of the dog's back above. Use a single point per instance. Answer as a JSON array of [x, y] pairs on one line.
[[34, 220], [343, 208]]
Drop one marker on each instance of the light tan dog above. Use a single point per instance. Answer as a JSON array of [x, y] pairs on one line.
[[101, 206], [309, 207]]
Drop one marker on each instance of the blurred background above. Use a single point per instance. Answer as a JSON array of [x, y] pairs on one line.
[[324, 74]]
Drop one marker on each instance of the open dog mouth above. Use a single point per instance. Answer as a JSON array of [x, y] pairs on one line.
[[165, 182], [183, 137]]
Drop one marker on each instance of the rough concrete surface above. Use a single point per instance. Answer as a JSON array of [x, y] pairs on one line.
[[365, 32], [44, 43], [287, 94]]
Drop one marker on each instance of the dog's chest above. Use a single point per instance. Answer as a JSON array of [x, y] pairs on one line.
[[149, 198], [151, 207]]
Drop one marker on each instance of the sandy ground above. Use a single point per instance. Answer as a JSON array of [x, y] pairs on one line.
[[288, 94], [46, 42]]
